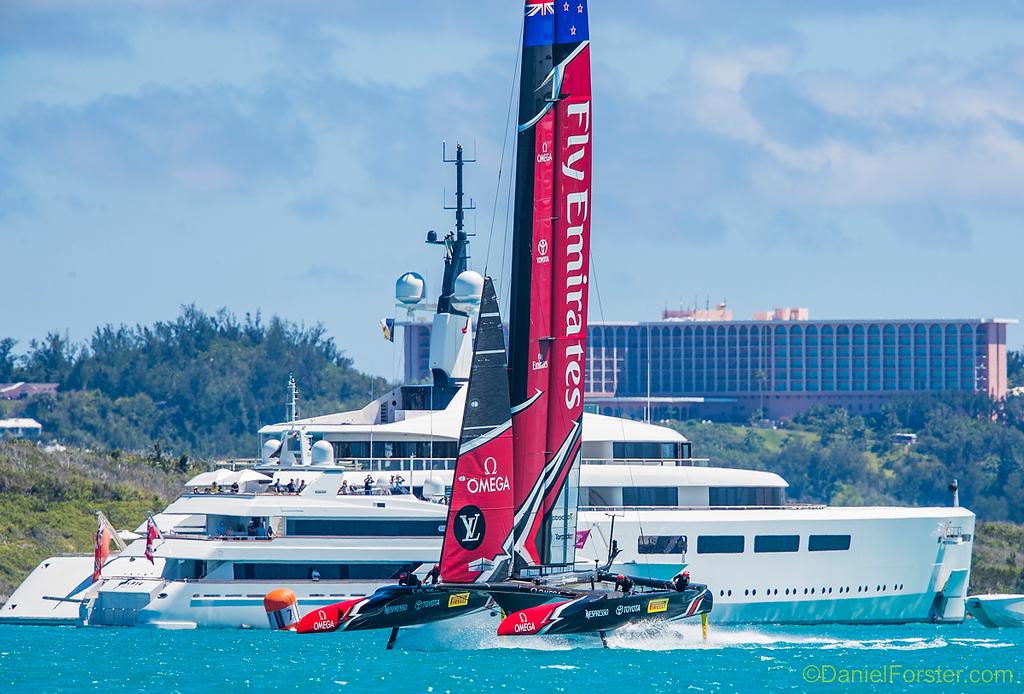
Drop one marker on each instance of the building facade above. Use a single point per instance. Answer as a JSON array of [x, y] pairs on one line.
[[781, 363]]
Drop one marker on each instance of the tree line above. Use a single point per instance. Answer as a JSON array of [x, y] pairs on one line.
[[201, 384], [829, 456]]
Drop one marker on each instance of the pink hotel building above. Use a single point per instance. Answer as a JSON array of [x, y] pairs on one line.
[[704, 363]]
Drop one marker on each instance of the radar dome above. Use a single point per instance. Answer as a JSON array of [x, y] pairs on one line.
[[410, 288], [433, 487], [269, 449], [466, 292], [323, 453]]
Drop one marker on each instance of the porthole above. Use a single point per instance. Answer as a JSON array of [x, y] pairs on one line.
[[830, 590], [721, 593], [787, 591], [729, 592], [805, 591], [812, 591], [883, 588], [746, 591], [754, 591]]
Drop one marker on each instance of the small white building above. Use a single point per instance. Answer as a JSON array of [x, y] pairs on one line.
[[20, 428]]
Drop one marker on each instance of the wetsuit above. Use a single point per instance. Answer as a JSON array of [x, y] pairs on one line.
[[434, 574], [625, 584]]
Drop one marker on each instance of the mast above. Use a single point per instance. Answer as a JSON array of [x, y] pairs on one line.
[[550, 266]]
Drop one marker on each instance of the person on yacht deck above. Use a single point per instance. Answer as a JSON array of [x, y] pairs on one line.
[[302, 485], [291, 486], [277, 485], [368, 485], [343, 489]]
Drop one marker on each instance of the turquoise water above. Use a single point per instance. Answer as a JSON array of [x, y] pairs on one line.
[[674, 660]]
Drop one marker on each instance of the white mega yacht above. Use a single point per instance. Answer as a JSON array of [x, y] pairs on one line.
[[640, 488]]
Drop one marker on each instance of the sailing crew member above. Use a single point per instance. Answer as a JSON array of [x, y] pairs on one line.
[[408, 579], [681, 581], [434, 574], [624, 583]]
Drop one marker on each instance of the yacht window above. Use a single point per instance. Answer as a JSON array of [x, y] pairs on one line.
[[745, 496], [338, 572], [650, 496], [777, 543], [382, 527], [661, 544], [720, 544], [648, 450], [602, 496], [828, 543]]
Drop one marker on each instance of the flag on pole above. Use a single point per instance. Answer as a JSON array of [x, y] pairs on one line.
[[102, 548], [387, 326], [581, 538], [151, 535]]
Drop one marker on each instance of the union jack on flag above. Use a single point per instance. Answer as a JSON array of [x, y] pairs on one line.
[[541, 8]]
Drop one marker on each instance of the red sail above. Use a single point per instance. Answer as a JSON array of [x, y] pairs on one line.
[[533, 247], [546, 513], [478, 537]]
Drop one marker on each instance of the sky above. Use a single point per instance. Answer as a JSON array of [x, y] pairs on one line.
[[863, 159]]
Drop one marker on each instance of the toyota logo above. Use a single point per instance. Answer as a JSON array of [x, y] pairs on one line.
[[542, 247]]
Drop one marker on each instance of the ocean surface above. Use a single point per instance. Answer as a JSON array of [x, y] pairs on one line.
[[945, 658]]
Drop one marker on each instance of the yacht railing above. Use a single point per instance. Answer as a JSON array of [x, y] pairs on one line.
[[783, 507], [417, 464]]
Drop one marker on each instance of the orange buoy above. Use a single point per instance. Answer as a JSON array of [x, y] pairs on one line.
[[282, 609]]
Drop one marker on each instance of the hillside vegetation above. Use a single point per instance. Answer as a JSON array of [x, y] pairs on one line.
[[48, 501], [827, 456], [201, 384]]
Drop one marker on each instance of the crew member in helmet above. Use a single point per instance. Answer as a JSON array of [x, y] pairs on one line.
[[624, 583], [434, 574], [408, 579], [681, 581]]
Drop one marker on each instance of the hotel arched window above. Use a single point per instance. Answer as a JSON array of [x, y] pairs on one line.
[[951, 335], [889, 340], [826, 335]]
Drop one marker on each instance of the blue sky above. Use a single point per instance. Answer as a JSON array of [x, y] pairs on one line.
[[865, 159]]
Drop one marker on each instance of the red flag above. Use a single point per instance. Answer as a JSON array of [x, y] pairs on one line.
[[151, 534], [102, 550], [581, 538]]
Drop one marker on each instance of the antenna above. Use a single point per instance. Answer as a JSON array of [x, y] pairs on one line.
[[459, 207]]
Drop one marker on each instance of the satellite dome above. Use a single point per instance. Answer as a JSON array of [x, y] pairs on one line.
[[323, 453], [433, 487], [270, 448], [410, 288], [466, 292]]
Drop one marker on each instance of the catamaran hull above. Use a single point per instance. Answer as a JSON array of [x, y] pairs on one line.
[[603, 612], [393, 607]]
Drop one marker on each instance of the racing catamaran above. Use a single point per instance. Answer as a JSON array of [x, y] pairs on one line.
[[510, 537]]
